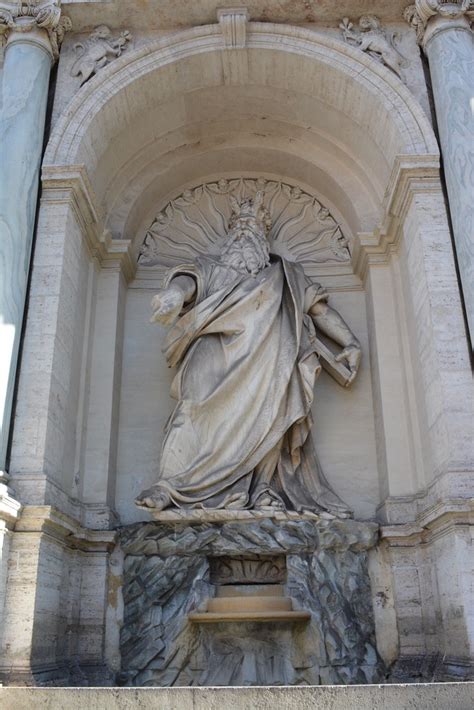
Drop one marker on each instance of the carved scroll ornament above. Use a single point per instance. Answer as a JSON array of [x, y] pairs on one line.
[[41, 14], [418, 14]]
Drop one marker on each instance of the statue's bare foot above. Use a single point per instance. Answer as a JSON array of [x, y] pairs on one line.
[[268, 499], [153, 497]]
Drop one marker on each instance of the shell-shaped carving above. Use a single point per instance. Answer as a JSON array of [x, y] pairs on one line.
[[196, 223]]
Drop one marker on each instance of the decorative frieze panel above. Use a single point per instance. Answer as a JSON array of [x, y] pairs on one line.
[[257, 569], [196, 222]]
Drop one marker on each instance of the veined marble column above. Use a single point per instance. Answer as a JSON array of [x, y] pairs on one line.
[[443, 30], [33, 32]]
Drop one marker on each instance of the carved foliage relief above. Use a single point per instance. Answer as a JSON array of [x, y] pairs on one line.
[[196, 222]]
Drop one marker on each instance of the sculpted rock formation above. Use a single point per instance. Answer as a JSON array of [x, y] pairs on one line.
[[170, 571], [243, 339]]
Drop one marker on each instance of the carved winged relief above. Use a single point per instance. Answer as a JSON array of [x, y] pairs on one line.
[[97, 51], [373, 39]]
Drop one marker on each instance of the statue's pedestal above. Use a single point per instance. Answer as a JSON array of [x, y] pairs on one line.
[[289, 599]]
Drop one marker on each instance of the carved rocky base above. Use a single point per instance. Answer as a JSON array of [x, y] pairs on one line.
[[173, 570]]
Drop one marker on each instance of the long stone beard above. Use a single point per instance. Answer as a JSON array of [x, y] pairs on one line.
[[247, 252]]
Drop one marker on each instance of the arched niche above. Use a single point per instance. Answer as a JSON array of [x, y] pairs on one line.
[[293, 104], [183, 107]]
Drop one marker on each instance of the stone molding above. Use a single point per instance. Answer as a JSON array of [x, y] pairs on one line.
[[442, 520], [71, 127], [48, 519], [70, 184], [454, 14], [233, 23], [39, 490], [451, 491], [29, 17], [411, 175], [10, 508]]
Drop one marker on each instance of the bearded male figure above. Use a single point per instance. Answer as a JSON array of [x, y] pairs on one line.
[[243, 339]]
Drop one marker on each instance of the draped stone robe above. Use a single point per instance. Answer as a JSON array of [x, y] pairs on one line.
[[246, 368]]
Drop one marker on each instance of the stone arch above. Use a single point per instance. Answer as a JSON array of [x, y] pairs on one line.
[[185, 109], [335, 110]]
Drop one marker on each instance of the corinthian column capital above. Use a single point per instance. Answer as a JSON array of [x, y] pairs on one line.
[[40, 20], [448, 13]]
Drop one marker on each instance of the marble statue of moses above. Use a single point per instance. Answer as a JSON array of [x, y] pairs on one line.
[[242, 339]]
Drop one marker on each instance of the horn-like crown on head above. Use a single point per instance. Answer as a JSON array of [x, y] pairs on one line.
[[251, 209]]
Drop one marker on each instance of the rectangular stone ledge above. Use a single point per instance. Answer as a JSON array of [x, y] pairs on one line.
[[38, 489], [9, 507], [445, 522], [452, 491], [436, 696], [411, 174], [71, 185], [49, 520]]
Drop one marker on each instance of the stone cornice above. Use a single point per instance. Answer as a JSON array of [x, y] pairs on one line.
[[71, 184], [32, 16], [411, 174], [9, 507], [60, 526], [419, 15], [440, 520]]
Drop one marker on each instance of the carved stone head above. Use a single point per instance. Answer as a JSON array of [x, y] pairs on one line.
[[101, 32], [250, 214]]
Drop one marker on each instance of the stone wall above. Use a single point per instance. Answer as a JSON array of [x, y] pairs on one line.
[[293, 101]]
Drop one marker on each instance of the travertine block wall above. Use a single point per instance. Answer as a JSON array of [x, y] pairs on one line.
[[50, 387], [93, 392]]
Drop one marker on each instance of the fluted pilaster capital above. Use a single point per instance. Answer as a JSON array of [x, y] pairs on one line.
[[446, 13], [40, 21]]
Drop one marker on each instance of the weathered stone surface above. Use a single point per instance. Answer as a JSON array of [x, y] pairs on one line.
[[436, 696], [166, 576]]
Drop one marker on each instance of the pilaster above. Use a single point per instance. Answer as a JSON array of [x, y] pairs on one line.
[[74, 261], [54, 623], [444, 32]]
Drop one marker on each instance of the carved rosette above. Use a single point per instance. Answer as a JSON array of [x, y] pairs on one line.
[[35, 15], [422, 11], [196, 222]]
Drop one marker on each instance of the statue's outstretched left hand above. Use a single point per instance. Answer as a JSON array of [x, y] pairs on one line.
[[351, 354]]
